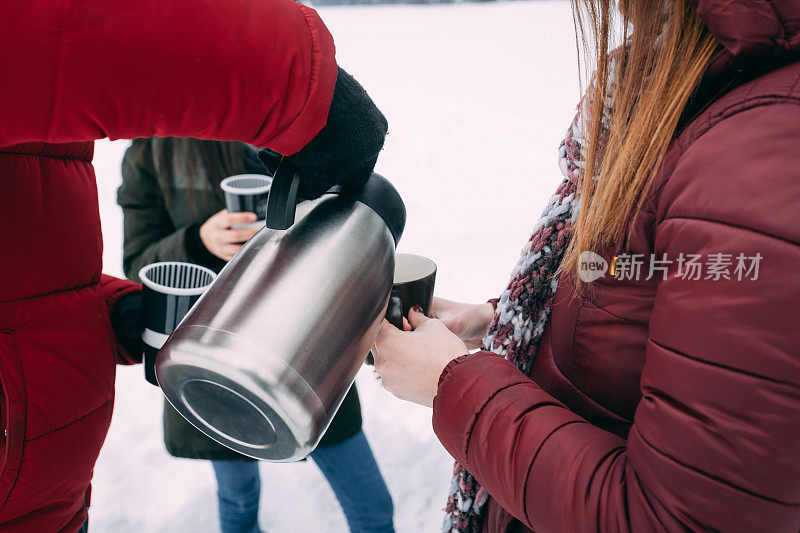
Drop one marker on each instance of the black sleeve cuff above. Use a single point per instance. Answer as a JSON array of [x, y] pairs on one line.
[[198, 252], [127, 322]]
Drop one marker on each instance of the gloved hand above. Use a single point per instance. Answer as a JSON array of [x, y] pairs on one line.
[[345, 151], [127, 322]]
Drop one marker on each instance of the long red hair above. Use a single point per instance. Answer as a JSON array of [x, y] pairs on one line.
[[661, 51]]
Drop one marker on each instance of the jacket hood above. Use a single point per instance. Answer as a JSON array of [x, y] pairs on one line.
[[748, 28]]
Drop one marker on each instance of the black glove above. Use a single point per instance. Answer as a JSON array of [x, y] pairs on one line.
[[345, 151], [127, 321]]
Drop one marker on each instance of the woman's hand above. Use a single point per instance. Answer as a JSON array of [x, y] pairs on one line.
[[468, 321], [411, 362], [220, 238]]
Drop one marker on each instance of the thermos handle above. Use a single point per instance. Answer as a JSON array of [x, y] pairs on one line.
[[282, 200], [377, 193]]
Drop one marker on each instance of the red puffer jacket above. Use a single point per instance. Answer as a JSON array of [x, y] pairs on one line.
[[668, 405], [70, 72]]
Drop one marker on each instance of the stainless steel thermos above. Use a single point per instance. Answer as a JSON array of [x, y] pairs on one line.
[[263, 360]]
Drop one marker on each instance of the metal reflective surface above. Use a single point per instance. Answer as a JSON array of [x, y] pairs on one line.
[[263, 360]]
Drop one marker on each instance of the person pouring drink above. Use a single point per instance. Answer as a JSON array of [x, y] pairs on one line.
[[75, 72]]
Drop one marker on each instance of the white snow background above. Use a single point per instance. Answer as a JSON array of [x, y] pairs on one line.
[[478, 96]]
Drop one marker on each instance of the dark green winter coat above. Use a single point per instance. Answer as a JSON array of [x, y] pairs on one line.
[[161, 224]]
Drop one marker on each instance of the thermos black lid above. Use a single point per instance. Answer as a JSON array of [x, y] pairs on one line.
[[381, 196], [378, 194]]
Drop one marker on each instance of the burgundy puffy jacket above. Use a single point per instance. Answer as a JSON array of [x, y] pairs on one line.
[[70, 72], [668, 405]]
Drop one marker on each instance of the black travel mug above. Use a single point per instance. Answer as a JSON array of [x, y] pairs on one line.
[[414, 280], [169, 290]]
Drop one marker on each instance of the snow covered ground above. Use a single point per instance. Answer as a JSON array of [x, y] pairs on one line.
[[478, 97]]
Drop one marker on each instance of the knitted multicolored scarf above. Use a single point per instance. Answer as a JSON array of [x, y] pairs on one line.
[[525, 307]]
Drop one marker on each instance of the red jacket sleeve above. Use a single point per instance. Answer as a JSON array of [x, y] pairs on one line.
[[259, 72], [713, 446], [111, 291]]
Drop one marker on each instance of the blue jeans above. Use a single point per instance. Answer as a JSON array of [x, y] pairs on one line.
[[350, 469]]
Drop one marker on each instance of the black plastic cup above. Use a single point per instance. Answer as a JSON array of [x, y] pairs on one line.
[[247, 193], [414, 280], [169, 290]]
